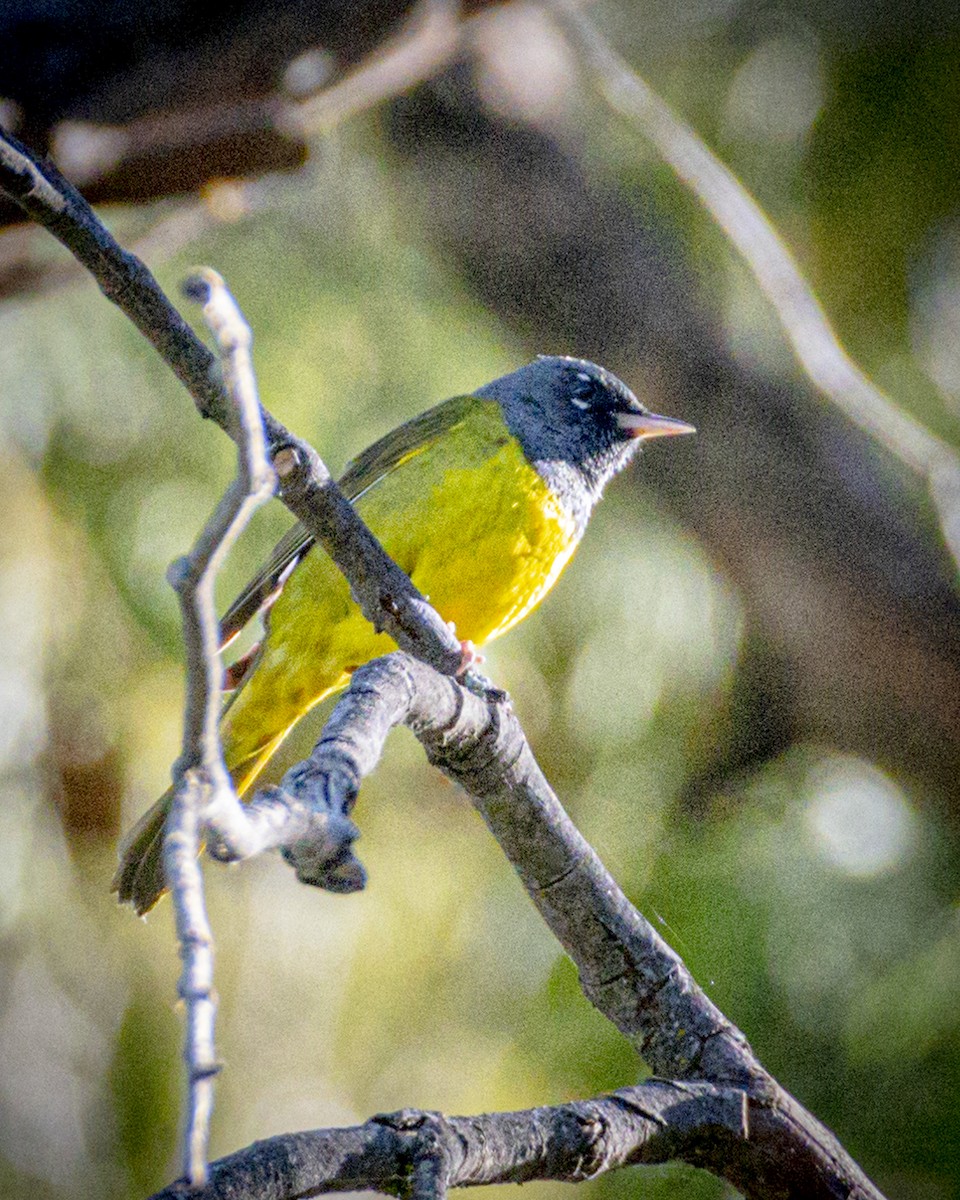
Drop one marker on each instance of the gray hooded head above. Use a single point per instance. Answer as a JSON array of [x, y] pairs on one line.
[[577, 424]]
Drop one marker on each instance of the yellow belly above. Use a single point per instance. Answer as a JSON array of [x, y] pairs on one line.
[[484, 543]]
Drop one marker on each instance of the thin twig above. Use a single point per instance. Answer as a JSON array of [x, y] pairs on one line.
[[202, 786], [195, 987], [426, 43], [780, 279]]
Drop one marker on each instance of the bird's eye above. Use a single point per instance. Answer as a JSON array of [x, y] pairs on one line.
[[583, 390]]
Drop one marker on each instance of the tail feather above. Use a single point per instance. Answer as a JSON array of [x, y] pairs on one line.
[[256, 718], [140, 878]]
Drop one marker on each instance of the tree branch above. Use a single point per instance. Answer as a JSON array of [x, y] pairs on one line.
[[385, 594], [203, 793], [760, 1138], [626, 969], [804, 322], [654, 1122]]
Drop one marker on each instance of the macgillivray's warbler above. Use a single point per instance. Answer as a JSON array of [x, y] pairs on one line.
[[482, 500]]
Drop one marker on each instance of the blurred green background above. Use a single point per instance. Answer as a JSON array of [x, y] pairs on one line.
[[743, 689]]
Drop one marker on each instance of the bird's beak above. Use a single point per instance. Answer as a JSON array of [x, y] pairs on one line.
[[649, 425]]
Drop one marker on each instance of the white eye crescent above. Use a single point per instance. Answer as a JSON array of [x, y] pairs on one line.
[[579, 403]]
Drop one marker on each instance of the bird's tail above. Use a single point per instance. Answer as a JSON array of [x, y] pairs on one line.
[[140, 877]]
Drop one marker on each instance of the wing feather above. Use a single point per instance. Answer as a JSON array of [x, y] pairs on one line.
[[362, 473]]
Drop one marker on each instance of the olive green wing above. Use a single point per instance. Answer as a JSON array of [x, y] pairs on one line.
[[378, 460], [402, 443], [269, 580]]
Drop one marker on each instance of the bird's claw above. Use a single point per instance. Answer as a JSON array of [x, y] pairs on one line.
[[469, 657]]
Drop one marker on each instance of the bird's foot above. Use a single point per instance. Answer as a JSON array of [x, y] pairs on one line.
[[469, 657], [472, 679]]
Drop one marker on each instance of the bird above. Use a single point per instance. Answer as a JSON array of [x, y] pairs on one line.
[[482, 500]]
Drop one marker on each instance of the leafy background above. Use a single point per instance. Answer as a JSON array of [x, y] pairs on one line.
[[812, 889]]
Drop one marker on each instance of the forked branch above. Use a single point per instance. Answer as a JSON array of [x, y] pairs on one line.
[[759, 1138], [770, 1145]]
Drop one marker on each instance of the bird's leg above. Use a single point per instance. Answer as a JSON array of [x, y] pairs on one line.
[[469, 655]]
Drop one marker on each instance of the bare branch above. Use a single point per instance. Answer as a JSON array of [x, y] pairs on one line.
[[385, 594], [202, 786], [780, 279], [652, 1123], [51, 201], [761, 1139], [626, 969]]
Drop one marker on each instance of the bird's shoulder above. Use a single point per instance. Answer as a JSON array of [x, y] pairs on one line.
[[471, 416]]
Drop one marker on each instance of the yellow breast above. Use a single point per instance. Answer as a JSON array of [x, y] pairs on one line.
[[473, 525], [499, 539]]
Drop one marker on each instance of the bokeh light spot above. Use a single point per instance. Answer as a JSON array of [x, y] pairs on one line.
[[776, 94], [860, 821]]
